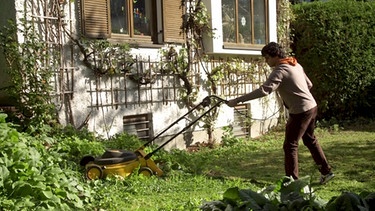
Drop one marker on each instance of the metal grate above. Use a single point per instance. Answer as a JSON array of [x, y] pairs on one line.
[[242, 126], [139, 125]]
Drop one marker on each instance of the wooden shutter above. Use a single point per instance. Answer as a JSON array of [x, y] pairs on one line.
[[172, 21], [96, 18]]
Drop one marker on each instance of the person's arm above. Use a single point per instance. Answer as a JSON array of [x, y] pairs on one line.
[[309, 83], [271, 84], [258, 93]]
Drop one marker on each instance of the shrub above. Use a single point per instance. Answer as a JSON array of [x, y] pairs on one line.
[[335, 43], [31, 177]]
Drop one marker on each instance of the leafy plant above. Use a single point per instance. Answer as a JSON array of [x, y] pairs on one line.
[[27, 182], [228, 139], [287, 194], [105, 58], [123, 141], [31, 66], [351, 201]]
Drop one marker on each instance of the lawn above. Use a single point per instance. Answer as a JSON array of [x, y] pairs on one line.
[[42, 172], [192, 178]]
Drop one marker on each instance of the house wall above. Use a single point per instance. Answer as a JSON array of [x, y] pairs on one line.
[[81, 107]]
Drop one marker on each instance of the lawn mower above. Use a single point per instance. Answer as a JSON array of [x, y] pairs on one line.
[[123, 162]]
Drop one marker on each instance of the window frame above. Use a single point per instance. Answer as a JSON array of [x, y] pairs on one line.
[[246, 46], [131, 35], [166, 22]]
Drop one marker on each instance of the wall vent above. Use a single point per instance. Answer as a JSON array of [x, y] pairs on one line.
[[139, 125]]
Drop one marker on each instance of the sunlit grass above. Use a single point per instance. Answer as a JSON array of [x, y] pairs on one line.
[[193, 178]]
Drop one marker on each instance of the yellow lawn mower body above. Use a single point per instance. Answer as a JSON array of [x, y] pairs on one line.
[[119, 163]]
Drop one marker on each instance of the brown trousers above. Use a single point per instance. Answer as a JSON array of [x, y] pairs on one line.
[[302, 126]]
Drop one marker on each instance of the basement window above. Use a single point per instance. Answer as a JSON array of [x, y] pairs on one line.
[[139, 125], [241, 125]]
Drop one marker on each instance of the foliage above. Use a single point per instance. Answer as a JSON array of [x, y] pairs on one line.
[[123, 141], [229, 139], [287, 194], [31, 176], [105, 58], [42, 173], [236, 67], [285, 16], [352, 201], [31, 66], [196, 24], [334, 41], [175, 61]]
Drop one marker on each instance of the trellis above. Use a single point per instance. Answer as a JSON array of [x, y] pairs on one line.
[[51, 19], [147, 84]]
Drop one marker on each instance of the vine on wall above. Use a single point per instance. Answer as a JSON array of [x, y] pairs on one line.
[[103, 57], [31, 66]]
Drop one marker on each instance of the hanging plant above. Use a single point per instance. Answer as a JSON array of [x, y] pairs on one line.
[[105, 58]]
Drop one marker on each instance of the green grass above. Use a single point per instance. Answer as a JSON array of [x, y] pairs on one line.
[[192, 178]]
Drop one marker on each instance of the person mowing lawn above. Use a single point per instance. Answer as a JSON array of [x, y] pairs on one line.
[[290, 80]]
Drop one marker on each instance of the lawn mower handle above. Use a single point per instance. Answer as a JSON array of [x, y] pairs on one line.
[[205, 102]]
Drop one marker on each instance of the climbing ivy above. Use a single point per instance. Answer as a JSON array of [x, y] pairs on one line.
[[31, 66], [105, 58]]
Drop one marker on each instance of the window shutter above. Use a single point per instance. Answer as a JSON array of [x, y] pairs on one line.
[[96, 18], [172, 21]]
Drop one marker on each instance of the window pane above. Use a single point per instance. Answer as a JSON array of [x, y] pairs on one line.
[[119, 17], [228, 20], [142, 18], [244, 21], [259, 22]]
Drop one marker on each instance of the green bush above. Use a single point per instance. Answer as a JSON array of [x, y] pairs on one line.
[[335, 43], [31, 177], [288, 194]]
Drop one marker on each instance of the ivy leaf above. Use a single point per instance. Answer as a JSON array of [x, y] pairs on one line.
[[256, 200], [62, 193], [22, 188], [47, 194], [232, 195], [40, 186], [4, 173]]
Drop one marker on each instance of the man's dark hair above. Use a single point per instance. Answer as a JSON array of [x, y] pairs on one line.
[[273, 49]]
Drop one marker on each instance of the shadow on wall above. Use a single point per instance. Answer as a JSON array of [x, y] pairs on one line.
[[7, 11]]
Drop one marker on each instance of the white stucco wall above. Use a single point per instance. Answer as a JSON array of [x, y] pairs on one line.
[[108, 121]]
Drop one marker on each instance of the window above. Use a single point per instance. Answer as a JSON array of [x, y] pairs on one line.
[[131, 17], [139, 125], [244, 22], [157, 21]]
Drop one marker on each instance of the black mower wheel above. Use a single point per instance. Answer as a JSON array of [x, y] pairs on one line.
[[146, 171], [86, 159], [94, 172]]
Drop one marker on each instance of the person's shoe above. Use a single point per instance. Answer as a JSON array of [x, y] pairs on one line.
[[325, 178]]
